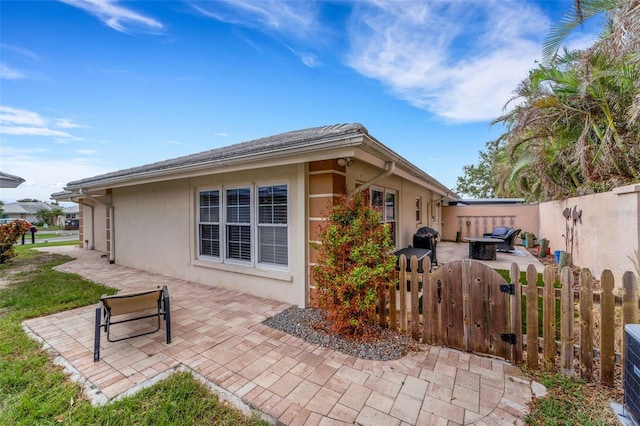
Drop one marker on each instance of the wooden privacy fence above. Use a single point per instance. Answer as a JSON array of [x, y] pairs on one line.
[[469, 306]]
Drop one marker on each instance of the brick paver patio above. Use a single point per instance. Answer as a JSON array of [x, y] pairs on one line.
[[218, 335]]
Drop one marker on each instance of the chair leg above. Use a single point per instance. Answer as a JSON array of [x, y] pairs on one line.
[[96, 338], [167, 317]]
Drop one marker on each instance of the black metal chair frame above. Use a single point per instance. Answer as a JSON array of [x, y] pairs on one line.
[[105, 310], [507, 238]]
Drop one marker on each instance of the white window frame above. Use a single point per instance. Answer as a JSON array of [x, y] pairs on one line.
[[418, 209], [254, 226], [385, 219], [219, 223], [250, 224], [268, 265]]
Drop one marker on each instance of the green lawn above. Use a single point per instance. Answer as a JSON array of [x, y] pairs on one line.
[[33, 391]]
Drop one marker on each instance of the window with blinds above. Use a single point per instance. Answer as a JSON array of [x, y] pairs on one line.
[[238, 224], [273, 241], [209, 223], [254, 229], [384, 202]]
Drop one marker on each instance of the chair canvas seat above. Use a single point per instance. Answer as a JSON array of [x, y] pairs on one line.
[[134, 306]]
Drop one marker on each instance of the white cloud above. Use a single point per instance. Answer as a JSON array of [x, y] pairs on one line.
[[8, 73], [221, 134], [21, 122], [174, 143], [117, 17], [297, 19], [459, 60], [33, 131], [309, 59], [43, 174], [16, 116], [26, 53], [86, 151]]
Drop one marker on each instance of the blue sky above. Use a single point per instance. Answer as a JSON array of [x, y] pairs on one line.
[[92, 86]]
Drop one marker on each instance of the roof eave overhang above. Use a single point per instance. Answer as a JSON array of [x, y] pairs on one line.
[[404, 168], [318, 150]]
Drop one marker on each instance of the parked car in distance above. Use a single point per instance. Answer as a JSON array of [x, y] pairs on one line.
[[71, 224]]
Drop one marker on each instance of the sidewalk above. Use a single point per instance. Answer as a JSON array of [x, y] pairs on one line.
[[218, 335]]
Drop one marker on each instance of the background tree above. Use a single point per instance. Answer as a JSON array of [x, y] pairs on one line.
[[45, 215], [56, 213], [573, 128], [477, 181]]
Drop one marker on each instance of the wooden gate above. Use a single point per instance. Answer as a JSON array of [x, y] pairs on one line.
[[468, 307]]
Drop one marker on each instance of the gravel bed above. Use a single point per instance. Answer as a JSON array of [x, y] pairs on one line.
[[307, 324]]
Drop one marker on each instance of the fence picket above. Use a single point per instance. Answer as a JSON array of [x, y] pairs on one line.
[[532, 318], [516, 314], [428, 319], [629, 304], [566, 322], [447, 307], [549, 320], [607, 329], [586, 324], [393, 304]]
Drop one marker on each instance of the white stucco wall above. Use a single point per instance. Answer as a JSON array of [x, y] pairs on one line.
[[156, 230]]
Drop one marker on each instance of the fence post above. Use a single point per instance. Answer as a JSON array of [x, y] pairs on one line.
[[403, 293], [566, 322], [549, 320], [607, 329], [586, 325], [532, 318], [415, 314], [516, 314]]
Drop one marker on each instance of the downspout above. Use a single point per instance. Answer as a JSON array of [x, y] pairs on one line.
[[389, 167], [109, 205]]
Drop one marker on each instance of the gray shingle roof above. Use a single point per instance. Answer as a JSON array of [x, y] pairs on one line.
[[275, 143]]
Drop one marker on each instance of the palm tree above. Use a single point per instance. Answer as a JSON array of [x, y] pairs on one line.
[[574, 129]]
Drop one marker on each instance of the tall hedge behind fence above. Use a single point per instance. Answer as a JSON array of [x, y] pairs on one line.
[[590, 315]]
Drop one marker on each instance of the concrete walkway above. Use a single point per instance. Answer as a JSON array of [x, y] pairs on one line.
[[218, 335]]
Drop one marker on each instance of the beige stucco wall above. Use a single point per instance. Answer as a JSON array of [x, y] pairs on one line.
[[406, 192], [94, 219], [475, 220], [606, 237], [156, 231]]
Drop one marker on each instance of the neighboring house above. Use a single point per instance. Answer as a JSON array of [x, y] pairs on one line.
[[243, 216], [26, 210]]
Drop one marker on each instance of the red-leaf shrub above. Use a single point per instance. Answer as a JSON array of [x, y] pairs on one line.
[[9, 234], [354, 265]]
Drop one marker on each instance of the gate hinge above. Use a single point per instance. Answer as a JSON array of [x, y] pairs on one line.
[[508, 288], [509, 338]]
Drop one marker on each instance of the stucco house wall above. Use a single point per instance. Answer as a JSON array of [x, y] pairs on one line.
[[607, 234], [146, 217], [92, 232], [475, 220]]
